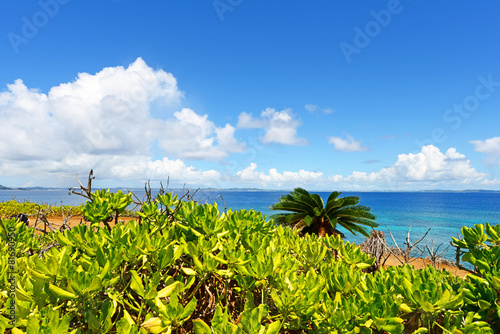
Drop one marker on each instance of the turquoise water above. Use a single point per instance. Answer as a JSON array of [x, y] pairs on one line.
[[444, 212]]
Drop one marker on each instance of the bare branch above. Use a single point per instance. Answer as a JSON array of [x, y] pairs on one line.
[[82, 191], [222, 198]]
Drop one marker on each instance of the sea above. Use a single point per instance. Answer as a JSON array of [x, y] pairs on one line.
[[442, 214]]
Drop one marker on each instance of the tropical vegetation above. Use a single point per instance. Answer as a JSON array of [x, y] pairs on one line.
[[311, 215], [14, 207], [183, 267]]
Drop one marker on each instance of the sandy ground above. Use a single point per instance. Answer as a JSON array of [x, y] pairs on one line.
[[56, 222], [419, 263], [391, 261]]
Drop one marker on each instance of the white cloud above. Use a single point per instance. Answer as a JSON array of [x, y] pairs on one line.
[[274, 178], [106, 117], [112, 167], [311, 107], [490, 147], [315, 108], [130, 168], [192, 136], [280, 126], [246, 121], [347, 145], [428, 168]]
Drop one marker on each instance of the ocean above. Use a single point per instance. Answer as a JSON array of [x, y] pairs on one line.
[[443, 212]]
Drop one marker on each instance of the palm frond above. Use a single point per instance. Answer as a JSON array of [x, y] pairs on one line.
[[308, 200], [288, 218], [301, 191], [349, 201], [293, 206], [353, 228], [358, 220], [353, 212], [319, 201], [333, 196], [332, 205], [309, 210]]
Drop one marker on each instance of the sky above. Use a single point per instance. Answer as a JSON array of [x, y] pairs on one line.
[[325, 95]]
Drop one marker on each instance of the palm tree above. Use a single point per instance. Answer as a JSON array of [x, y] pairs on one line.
[[311, 215]]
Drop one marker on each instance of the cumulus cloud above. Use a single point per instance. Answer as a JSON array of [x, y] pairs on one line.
[[193, 136], [274, 178], [280, 126], [428, 167], [105, 116], [347, 145], [490, 147], [127, 168]]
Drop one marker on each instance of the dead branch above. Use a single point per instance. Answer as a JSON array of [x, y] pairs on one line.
[[82, 191], [434, 256], [222, 198]]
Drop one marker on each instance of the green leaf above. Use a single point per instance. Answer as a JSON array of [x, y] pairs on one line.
[[200, 327], [394, 325], [136, 283], [61, 293], [101, 258], [60, 326], [153, 325], [128, 318], [22, 295], [168, 290], [308, 220], [427, 307], [188, 309], [188, 271], [483, 304], [95, 285], [496, 282], [273, 328], [33, 326], [104, 270]]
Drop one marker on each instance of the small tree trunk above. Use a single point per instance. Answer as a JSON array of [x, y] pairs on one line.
[[323, 228]]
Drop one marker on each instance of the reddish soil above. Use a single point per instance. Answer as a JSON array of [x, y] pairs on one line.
[[419, 263]]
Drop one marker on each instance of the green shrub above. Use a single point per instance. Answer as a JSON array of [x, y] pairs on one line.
[[185, 267], [14, 207]]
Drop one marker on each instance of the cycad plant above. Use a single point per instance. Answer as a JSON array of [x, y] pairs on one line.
[[309, 213]]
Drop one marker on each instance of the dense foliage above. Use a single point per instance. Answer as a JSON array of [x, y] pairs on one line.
[[311, 215], [185, 267], [13, 207]]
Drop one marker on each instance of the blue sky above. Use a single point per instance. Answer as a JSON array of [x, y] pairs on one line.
[[330, 95]]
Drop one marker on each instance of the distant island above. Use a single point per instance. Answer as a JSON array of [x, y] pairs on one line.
[[269, 190], [28, 188]]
